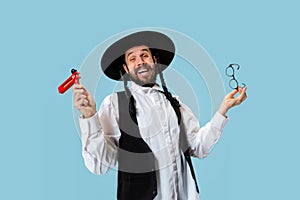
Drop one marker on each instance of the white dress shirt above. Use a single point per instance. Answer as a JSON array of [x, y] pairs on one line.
[[159, 128]]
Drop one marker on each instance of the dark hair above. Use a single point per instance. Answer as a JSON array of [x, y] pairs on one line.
[[174, 102], [131, 100]]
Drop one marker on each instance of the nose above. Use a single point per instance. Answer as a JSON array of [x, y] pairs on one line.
[[140, 60]]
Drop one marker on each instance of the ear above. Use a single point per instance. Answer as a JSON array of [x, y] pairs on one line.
[[155, 59], [125, 68]]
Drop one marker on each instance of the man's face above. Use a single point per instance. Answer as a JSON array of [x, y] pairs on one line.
[[140, 65]]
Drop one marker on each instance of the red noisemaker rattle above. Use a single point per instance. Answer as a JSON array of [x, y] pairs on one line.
[[74, 78]]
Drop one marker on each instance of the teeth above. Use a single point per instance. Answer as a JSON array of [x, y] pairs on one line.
[[142, 71]]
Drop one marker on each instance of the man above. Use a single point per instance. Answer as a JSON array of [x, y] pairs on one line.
[[148, 132]]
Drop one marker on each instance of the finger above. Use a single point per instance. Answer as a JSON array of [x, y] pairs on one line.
[[240, 89], [81, 91], [81, 106], [83, 102], [79, 96], [77, 79], [78, 92], [231, 94], [245, 96], [243, 91], [242, 95], [77, 104], [76, 87], [79, 86]]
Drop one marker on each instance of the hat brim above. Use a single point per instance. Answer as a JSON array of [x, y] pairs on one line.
[[160, 45]]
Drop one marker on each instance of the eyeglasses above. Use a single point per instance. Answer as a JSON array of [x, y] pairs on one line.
[[233, 83]]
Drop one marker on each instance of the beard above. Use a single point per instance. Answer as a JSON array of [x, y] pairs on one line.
[[146, 80]]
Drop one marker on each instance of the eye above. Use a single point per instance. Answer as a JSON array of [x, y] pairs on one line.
[[145, 55], [132, 59]]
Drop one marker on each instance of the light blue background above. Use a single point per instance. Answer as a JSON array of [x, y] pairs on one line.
[[258, 154]]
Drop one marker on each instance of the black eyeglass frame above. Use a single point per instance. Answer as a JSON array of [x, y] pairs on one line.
[[233, 79]]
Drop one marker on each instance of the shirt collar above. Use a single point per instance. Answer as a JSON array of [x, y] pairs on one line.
[[146, 90]]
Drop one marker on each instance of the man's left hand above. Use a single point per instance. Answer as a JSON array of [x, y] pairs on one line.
[[230, 101]]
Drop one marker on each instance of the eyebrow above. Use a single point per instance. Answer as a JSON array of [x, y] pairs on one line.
[[141, 50]]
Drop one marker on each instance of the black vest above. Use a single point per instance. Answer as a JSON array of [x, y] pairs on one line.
[[136, 170]]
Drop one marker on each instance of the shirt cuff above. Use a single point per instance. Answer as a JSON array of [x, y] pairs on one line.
[[219, 120], [90, 125]]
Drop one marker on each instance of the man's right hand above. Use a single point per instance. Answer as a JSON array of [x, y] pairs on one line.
[[84, 101]]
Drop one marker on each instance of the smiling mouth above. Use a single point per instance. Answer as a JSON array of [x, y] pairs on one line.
[[142, 71]]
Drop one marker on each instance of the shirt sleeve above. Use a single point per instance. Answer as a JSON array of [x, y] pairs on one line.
[[100, 136], [202, 139]]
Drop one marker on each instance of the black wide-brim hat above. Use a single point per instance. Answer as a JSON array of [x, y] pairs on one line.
[[160, 45]]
